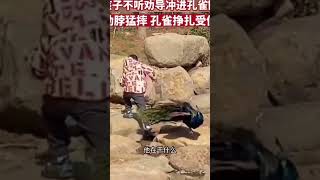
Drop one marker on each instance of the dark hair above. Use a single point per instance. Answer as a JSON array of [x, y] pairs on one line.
[[133, 56]]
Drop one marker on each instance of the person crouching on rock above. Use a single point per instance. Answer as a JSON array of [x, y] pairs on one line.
[[134, 83]]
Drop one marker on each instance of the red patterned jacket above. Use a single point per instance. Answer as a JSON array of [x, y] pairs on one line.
[[73, 57], [133, 77]]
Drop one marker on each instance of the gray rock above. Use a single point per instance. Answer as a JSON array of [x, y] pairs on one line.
[[20, 92], [122, 126], [116, 65], [171, 50], [296, 127], [201, 79], [201, 101], [191, 159], [174, 84], [240, 80], [121, 146], [292, 53]]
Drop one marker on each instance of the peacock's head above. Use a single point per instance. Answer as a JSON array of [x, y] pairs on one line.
[[196, 120]]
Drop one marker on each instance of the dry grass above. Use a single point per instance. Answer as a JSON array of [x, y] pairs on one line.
[[125, 41]]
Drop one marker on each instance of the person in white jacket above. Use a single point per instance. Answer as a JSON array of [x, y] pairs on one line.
[[73, 63], [134, 83]]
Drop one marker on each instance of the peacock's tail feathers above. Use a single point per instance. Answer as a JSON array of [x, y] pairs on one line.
[[172, 112], [159, 113], [164, 112]]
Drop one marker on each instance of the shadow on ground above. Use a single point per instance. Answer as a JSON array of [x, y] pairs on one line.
[[174, 132]]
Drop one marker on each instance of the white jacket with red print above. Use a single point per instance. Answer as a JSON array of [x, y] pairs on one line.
[[133, 77], [73, 59]]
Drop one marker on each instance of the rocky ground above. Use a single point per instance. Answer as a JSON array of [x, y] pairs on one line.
[[266, 78], [182, 65], [189, 159], [183, 72], [17, 155], [128, 157], [266, 74]]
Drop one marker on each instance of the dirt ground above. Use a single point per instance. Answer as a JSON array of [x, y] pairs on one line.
[[17, 155], [125, 41]]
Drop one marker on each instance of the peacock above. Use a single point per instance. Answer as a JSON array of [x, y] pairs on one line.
[[175, 112], [234, 150]]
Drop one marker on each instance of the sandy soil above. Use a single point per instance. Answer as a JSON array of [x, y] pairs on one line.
[[17, 156]]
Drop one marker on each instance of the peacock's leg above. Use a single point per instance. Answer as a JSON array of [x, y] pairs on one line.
[[191, 131], [146, 127], [128, 113]]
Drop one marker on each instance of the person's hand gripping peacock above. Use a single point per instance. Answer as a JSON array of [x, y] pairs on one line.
[[178, 112]]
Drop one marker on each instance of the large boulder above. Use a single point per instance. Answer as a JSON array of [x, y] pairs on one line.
[[179, 136], [174, 84], [295, 126], [184, 160], [292, 53], [121, 146], [201, 79], [171, 50], [122, 126], [242, 7], [20, 92], [202, 102], [28, 90], [311, 156], [116, 64], [240, 81]]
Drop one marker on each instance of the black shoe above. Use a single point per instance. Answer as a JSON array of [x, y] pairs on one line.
[[60, 168], [147, 135], [147, 132]]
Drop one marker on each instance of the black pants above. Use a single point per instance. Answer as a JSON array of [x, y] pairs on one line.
[[138, 98], [92, 115]]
